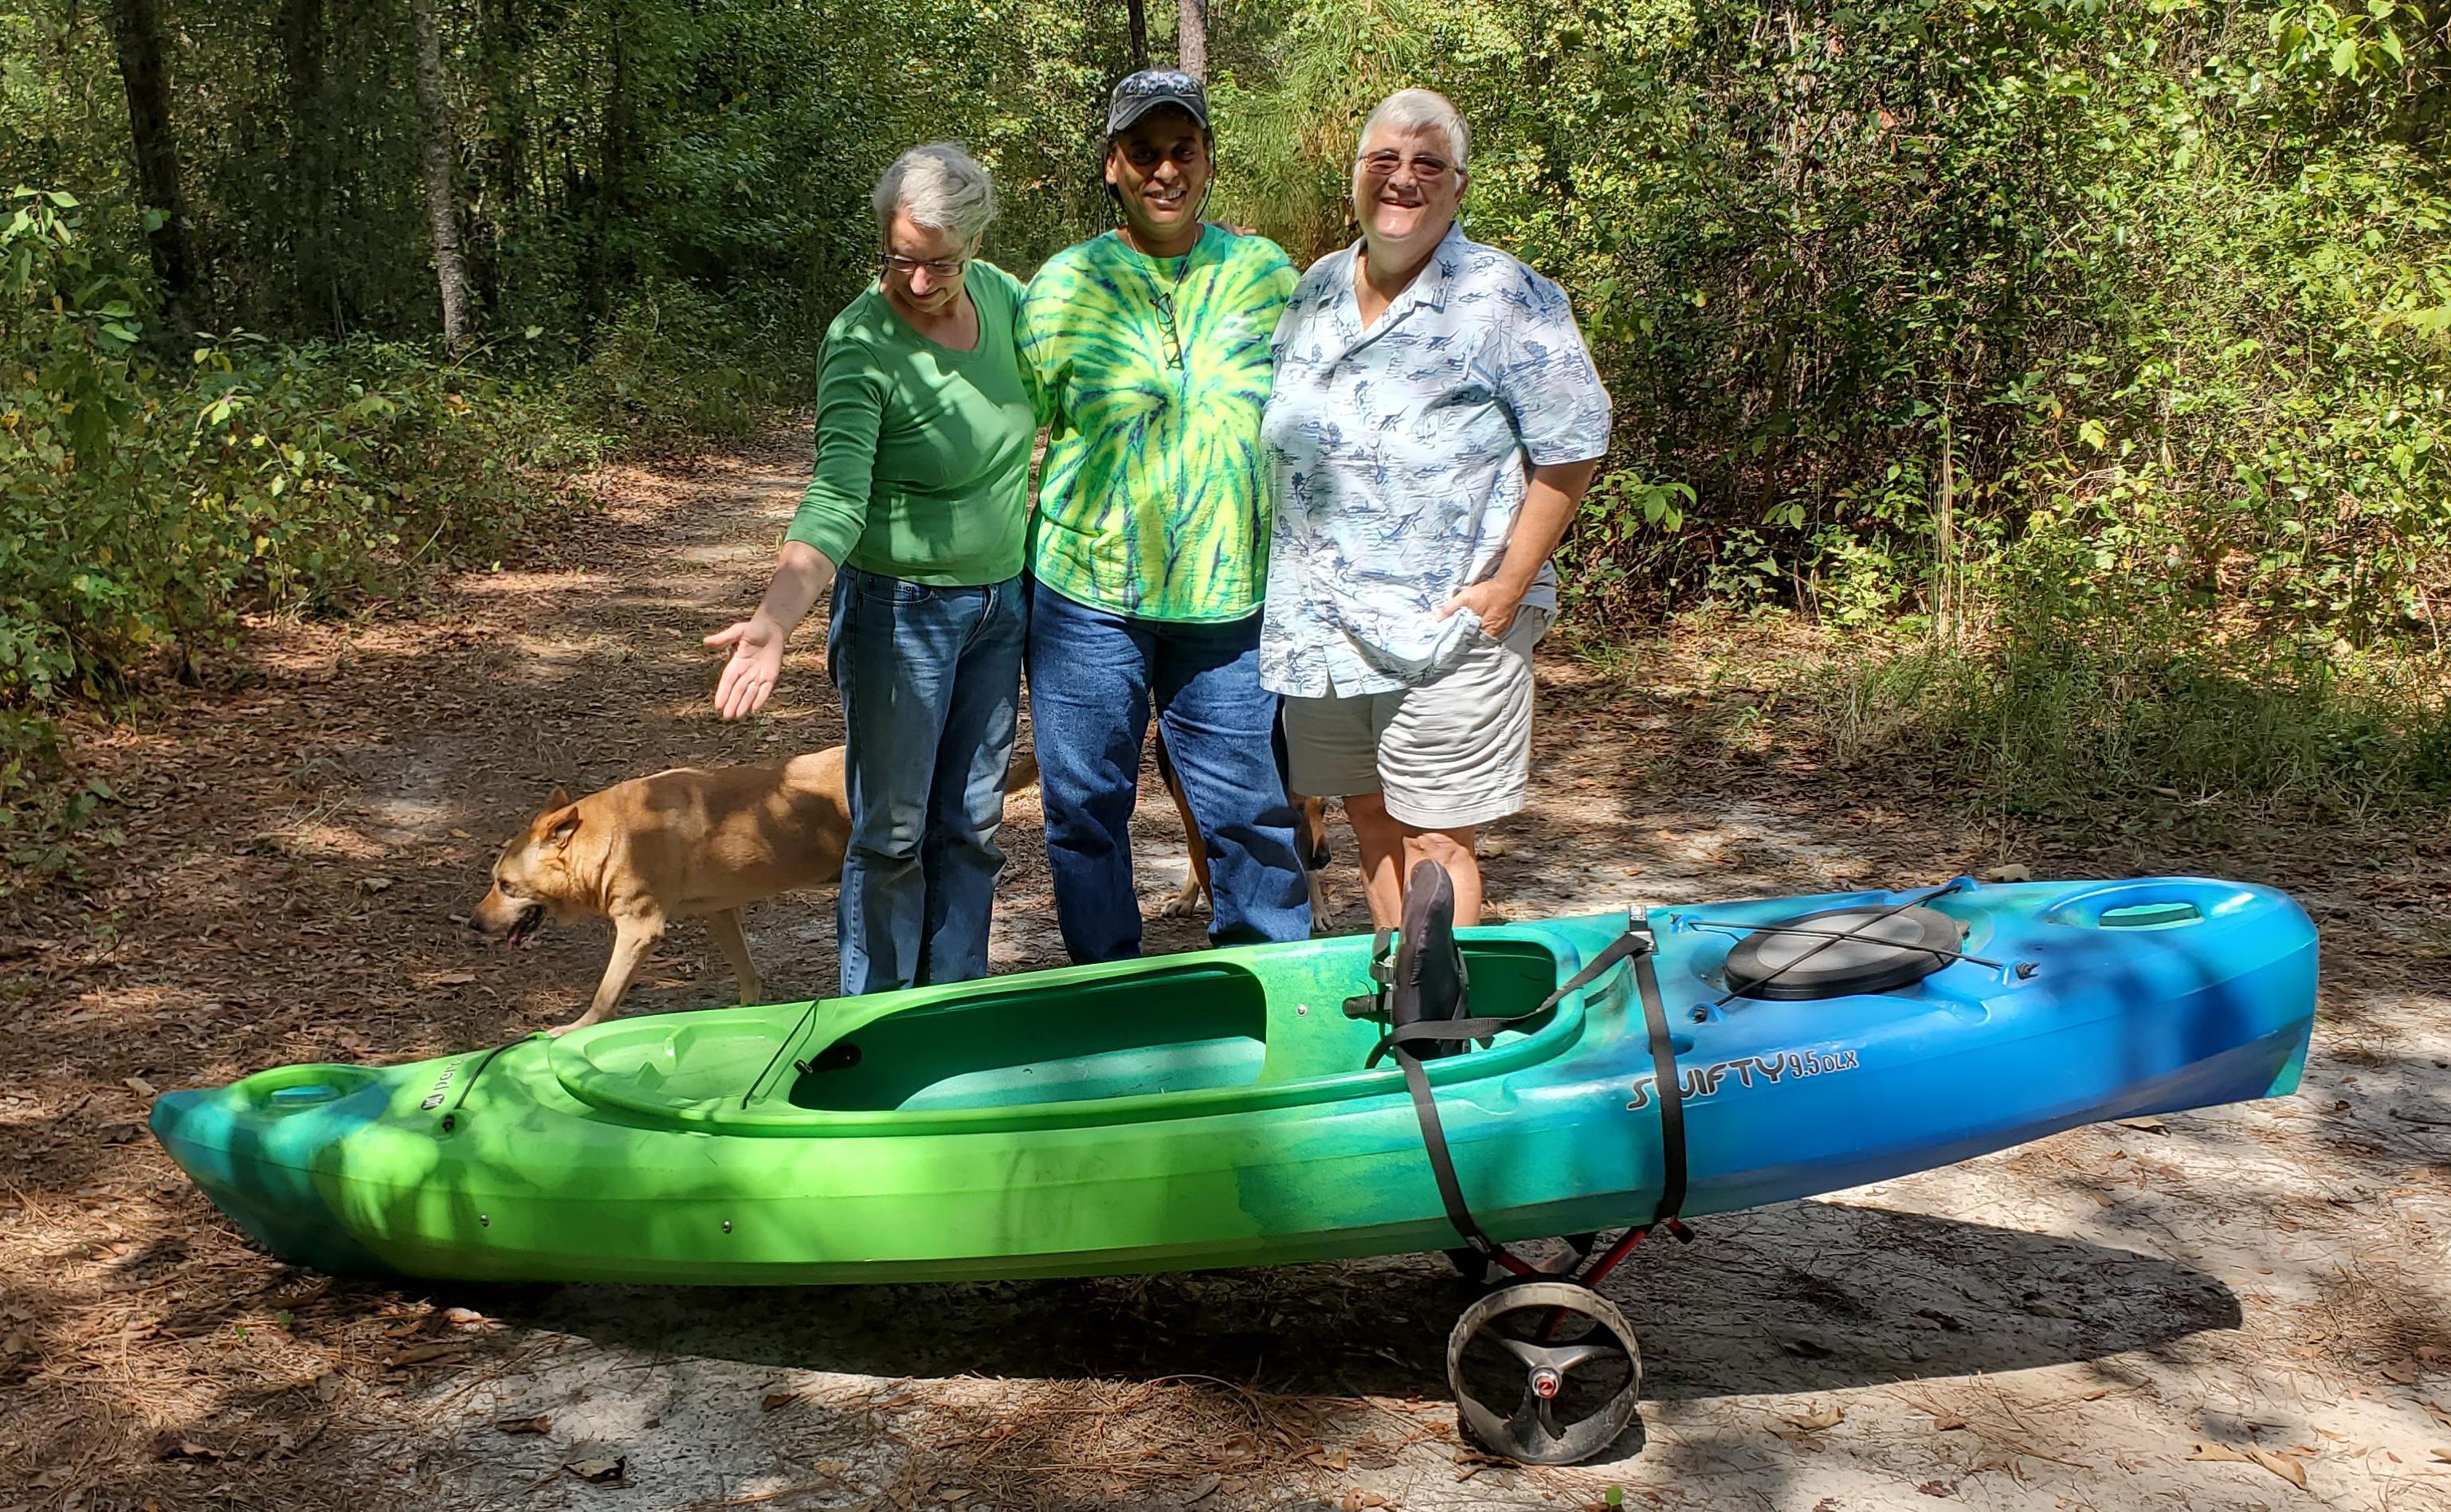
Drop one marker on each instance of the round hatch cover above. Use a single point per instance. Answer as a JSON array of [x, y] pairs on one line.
[[1868, 947]]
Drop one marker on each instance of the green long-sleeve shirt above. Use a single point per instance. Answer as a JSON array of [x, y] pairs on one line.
[[923, 452]]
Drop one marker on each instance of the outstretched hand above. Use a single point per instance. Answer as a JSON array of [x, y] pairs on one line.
[[756, 667]]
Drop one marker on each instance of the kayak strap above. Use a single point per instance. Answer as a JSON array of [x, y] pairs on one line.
[[1666, 1083], [1425, 993]]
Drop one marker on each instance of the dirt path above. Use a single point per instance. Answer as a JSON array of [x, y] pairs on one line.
[[2059, 1326]]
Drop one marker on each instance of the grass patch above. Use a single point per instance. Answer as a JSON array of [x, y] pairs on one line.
[[2042, 724]]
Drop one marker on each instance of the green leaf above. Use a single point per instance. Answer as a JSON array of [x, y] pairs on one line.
[[2345, 57], [62, 199]]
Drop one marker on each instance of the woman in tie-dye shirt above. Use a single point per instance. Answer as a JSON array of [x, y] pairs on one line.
[[1435, 422], [1148, 551]]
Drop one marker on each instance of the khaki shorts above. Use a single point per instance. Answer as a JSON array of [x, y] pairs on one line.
[[1454, 753]]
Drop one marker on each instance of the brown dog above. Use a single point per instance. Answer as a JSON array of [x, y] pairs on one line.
[[680, 844], [1310, 842], [687, 843]]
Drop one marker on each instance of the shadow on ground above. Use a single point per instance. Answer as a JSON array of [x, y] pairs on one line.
[[1777, 1301]]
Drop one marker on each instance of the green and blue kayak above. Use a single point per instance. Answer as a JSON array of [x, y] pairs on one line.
[[1219, 1108]]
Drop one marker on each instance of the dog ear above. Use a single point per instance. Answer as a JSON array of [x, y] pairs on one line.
[[561, 799], [559, 826]]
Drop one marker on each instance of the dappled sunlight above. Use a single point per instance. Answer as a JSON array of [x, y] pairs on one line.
[[305, 836]]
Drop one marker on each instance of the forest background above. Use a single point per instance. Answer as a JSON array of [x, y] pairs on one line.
[[2066, 381]]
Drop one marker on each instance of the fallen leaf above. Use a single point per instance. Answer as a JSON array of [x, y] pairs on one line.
[[1201, 1489], [599, 1471], [425, 1354], [2284, 1466], [456, 978], [1937, 1488], [2144, 1126], [1799, 1437], [460, 834], [2443, 1455], [1946, 1422], [141, 1088], [773, 1399], [373, 884], [523, 1425], [1821, 1417], [2401, 1372], [2437, 1412], [1336, 1459]]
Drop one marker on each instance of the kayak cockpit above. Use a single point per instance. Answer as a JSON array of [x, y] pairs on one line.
[[1140, 1039]]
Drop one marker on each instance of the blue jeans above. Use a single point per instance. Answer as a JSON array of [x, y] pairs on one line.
[[931, 693], [1093, 675]]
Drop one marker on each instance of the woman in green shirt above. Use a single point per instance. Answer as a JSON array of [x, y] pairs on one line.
[[924, 433]]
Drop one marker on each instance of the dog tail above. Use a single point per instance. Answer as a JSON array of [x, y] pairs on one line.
[[1023, 773]]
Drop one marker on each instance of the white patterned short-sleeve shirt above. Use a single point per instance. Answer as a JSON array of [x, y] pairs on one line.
[[1401, 456]]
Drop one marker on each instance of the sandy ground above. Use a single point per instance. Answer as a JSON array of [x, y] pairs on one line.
[[2201, 1313]]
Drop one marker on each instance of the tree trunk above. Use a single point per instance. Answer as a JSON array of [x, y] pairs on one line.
[[503, 166], [1138, 11], [438, 149], [612, 187], [1191, 26], [136, 31], [313, 291]]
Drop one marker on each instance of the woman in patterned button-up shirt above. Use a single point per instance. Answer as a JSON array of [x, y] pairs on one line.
[[1435, 421]]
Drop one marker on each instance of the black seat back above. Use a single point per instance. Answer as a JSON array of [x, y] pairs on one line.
[[1430, 985]]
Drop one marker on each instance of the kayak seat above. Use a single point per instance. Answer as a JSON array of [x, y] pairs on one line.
[[1429, 983], [1187, 1029]]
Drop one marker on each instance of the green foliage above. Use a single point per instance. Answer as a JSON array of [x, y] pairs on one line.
[[145, 500], [2102, 345]]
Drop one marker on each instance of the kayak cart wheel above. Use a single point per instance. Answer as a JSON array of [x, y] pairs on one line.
[[1576, 1398]]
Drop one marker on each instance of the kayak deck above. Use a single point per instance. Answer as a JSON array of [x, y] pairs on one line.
[[1194, 1039]]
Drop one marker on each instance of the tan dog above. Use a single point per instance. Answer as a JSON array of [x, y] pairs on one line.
[[1311, 843], [687, 843]]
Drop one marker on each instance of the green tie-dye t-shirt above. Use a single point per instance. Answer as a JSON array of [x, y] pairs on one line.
[[1153, 498]]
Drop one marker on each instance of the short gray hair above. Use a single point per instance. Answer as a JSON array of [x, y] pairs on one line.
[[1410, 110], [939, 185]]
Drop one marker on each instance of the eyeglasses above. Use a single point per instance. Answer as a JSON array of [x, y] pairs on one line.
[[943, 268], [1384, 164], [1166, 324]]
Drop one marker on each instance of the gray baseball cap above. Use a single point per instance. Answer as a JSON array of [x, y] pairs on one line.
[[1137, 94]]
